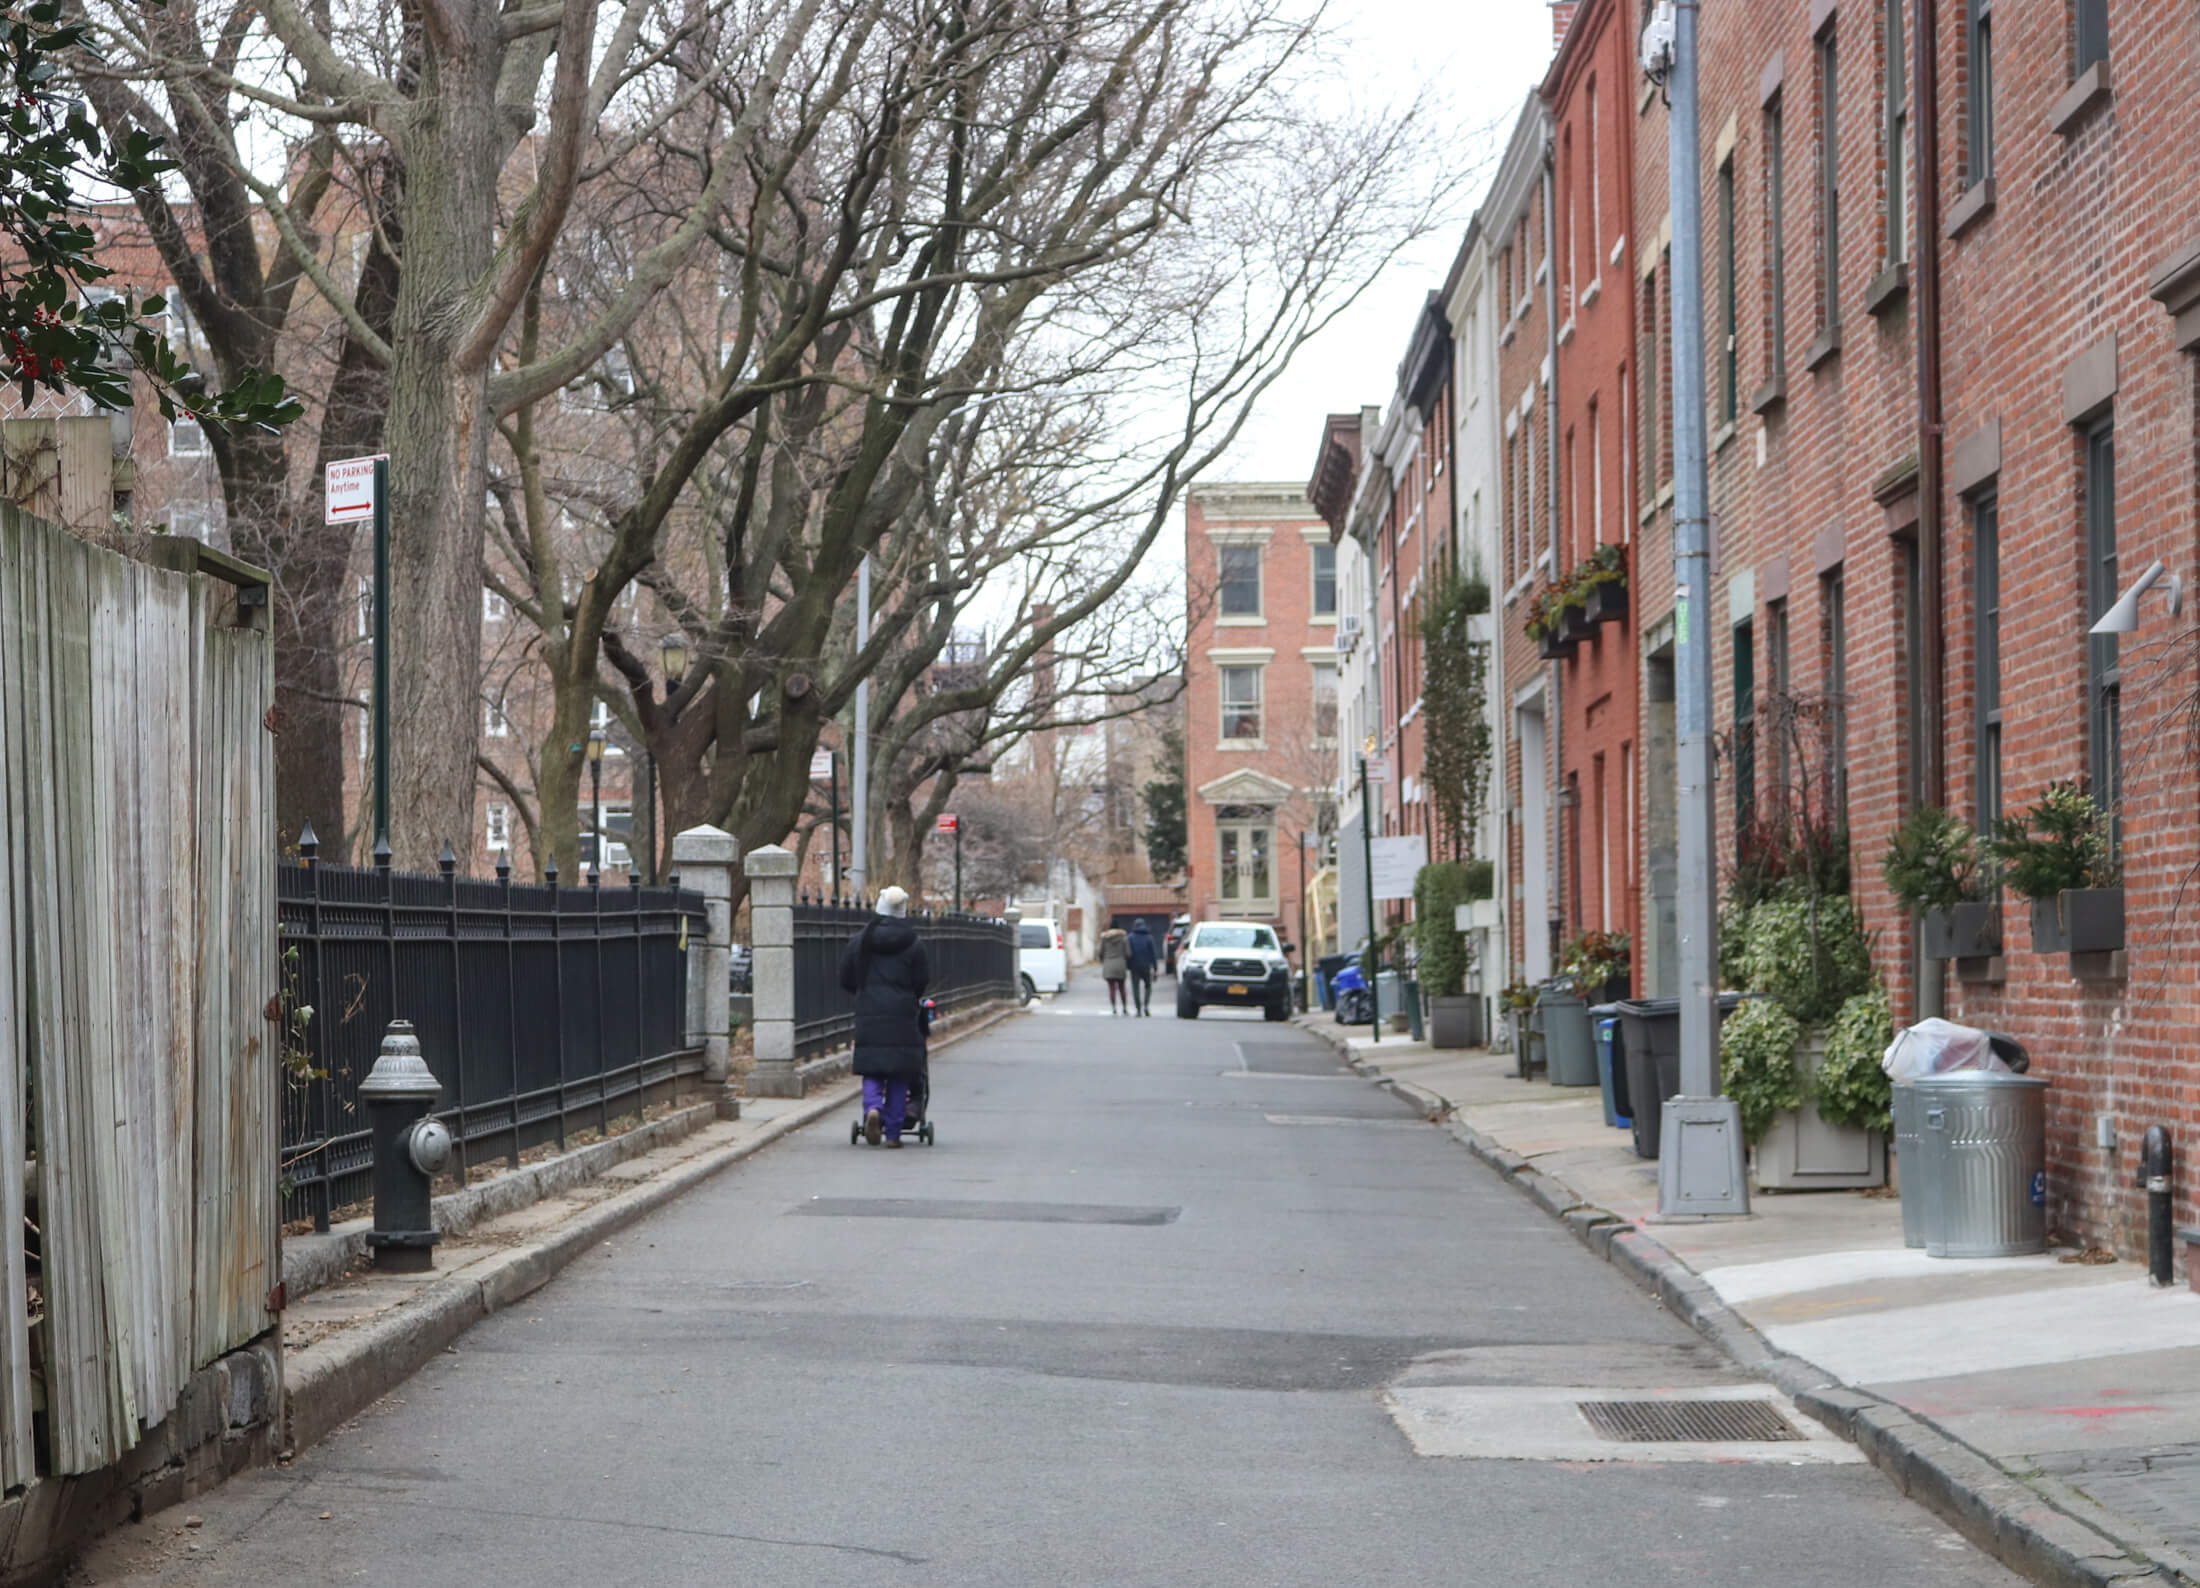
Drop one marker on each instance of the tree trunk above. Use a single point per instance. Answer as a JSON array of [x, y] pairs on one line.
[[439, 450]]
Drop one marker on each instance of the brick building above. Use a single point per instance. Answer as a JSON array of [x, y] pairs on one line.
[[1260, 699]]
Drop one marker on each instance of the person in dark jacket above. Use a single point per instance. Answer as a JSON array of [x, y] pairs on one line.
[[1145, 956], [885, 967]]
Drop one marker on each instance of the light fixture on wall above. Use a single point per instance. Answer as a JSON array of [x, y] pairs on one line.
[[2123, 617]]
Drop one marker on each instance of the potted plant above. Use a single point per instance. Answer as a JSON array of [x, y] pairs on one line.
[[1574, 608], [1454, 1017], [1545, 623], [1598, 964], [1603, 583], [2059, 847], [1932, 867], [1518, 999]]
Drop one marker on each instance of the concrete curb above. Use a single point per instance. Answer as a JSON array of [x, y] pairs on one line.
[[325, 1390], [1998, 1512]]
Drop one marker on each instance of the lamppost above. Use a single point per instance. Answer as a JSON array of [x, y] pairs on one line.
[[595, 796], [673, 652]]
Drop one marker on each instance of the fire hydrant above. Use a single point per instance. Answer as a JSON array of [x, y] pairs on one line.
[[410, 1150]]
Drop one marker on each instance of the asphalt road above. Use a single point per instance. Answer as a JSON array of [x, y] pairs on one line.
[[1136, 1319]]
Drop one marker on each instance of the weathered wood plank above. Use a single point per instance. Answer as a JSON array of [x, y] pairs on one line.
[[17, 1461]]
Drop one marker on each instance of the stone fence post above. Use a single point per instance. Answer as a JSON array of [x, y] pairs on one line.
[[705, 857], [771, 872]]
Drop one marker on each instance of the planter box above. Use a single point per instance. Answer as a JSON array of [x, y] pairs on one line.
[[1802, 1152], [1556, 645], [1969, 931], [2047, 932], [1455, 1022], [2092, 919], [1579, 625], [1607, 603]]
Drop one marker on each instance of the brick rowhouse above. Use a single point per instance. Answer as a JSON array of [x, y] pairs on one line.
[[2065, 211], [1260, 719], [1588, 95]]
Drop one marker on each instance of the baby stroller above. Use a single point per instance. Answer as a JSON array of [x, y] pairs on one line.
[[916, 1121]]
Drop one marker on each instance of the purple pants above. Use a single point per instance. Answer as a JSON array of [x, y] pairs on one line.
[[891, 1099]]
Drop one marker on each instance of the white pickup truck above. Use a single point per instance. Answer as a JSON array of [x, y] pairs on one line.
[[1042, 959]]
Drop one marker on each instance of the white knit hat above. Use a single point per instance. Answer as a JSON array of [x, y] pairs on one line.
[[893, 901]]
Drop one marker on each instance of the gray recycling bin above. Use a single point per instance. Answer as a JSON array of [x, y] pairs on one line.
[[1984, 1140], [1910, 1155]]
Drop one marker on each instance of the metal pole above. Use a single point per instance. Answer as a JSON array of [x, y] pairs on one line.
[[1367, 852], [859, 830], [958, 865], [648, 869], [833, 777], [1306, 937], [595, 817], [382, 651], [1700, 1159]]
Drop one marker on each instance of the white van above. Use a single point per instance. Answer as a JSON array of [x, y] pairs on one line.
[[1042, 959]]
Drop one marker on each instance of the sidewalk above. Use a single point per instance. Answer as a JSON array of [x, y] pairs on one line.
[[2049, 1409]]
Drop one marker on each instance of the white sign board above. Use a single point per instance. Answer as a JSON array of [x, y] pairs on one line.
[[1378, 769], [821, 765], [349, 490], [1396, 862]]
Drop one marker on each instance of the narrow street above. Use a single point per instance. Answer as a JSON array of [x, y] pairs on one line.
[[1161, 1307]]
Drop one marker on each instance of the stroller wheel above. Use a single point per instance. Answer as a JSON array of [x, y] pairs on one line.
[[855, 1133], [924, 1133]]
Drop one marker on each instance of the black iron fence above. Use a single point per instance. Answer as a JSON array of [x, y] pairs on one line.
[[972, 960], [541, 1009]]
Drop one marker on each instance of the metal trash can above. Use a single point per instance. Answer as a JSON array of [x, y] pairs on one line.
[[1909, 1153], [1984, 1134]]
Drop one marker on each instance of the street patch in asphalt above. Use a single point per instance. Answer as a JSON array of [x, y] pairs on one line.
[[1287, 1058], [1003, 1212], [1550, 1423]]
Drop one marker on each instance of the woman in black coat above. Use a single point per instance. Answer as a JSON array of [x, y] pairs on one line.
[[885, 967]]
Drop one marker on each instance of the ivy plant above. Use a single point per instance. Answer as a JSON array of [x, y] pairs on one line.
[[1457, 743], [1808, 956], [1757, 1048], [1850, 1087]]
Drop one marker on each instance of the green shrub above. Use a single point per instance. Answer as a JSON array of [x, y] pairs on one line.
[[1481, 879], [1437, 890], [2060, 842], [1932, 862], [1808, 958], [1850, 1087], [1733, 939], [1757, 1047]]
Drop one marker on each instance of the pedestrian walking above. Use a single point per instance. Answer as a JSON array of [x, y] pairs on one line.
[[885, 967], [1145, 959], [1115, 965]]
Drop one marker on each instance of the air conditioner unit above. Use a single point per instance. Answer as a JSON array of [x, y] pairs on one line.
[[1348, 625]]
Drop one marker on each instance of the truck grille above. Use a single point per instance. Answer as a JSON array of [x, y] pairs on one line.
[[1238, 970]]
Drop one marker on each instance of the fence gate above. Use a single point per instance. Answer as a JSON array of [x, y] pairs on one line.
[[137, 955]]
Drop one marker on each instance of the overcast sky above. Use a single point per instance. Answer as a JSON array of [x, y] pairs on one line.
[[1484, 55]]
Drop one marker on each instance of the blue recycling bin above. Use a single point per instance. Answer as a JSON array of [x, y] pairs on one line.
[[1611, 1066]]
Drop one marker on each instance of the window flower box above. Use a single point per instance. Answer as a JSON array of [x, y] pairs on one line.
[[2047, 933], [2092, 919], [1607, 603], [1555, 644], [1970, 930]]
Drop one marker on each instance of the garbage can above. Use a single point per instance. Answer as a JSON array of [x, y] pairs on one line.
[[1650, 1043], [1325, 972], [1984, 1134], [1909, 1154], [1567, 1041], [1611, 1064], [1389, 995], [1410, 992]]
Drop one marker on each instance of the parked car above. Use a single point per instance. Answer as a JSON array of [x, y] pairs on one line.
[[1172, 942], [1234, 963], [1042, 958]]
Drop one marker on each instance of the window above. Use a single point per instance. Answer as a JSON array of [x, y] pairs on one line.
[[1596, 192], [494, 723], [1325, 581], [187, 439], [599, 717], [366, 609], [1729, 297], [2104, 691], [1894, 90], [1834, 602], [1325, 701], [1986, 654], [1745, 731], [1240, 581], [1776, 673], [1653, 359], [1211, 937], [1829, 182], [494, 608], [618, 827], [1776, 239], [1245, 839], [499, 834], [1978, 131], [1240, 702], [1571, 223], [2092, 29]]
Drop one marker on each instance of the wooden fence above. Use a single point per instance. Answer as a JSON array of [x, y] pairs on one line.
[[138, 1071]]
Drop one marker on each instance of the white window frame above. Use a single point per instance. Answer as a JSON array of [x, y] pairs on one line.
[[187, 439], [1224, 705], [497, 827], [494, 608], [1258, 550], [494, 723]]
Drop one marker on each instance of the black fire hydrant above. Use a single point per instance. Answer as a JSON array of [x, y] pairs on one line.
[[410, 1150]]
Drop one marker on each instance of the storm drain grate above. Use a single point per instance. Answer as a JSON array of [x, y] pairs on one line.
[[1696, 1422]]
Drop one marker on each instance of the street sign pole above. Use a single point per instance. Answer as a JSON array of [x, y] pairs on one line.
[[381, 656], [958, 867], [835, 763], [1367, 851], [1700, 1162]]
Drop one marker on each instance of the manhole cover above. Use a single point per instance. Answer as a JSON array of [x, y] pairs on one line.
[[1693, 1422]]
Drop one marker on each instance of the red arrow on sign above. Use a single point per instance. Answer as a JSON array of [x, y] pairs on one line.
[[948, 824]]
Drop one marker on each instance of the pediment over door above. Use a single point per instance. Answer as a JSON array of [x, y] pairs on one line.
[[1246, 787]]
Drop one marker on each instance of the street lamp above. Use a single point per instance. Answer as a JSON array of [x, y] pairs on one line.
[[674, 654], [672, 651], [595, 794]]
